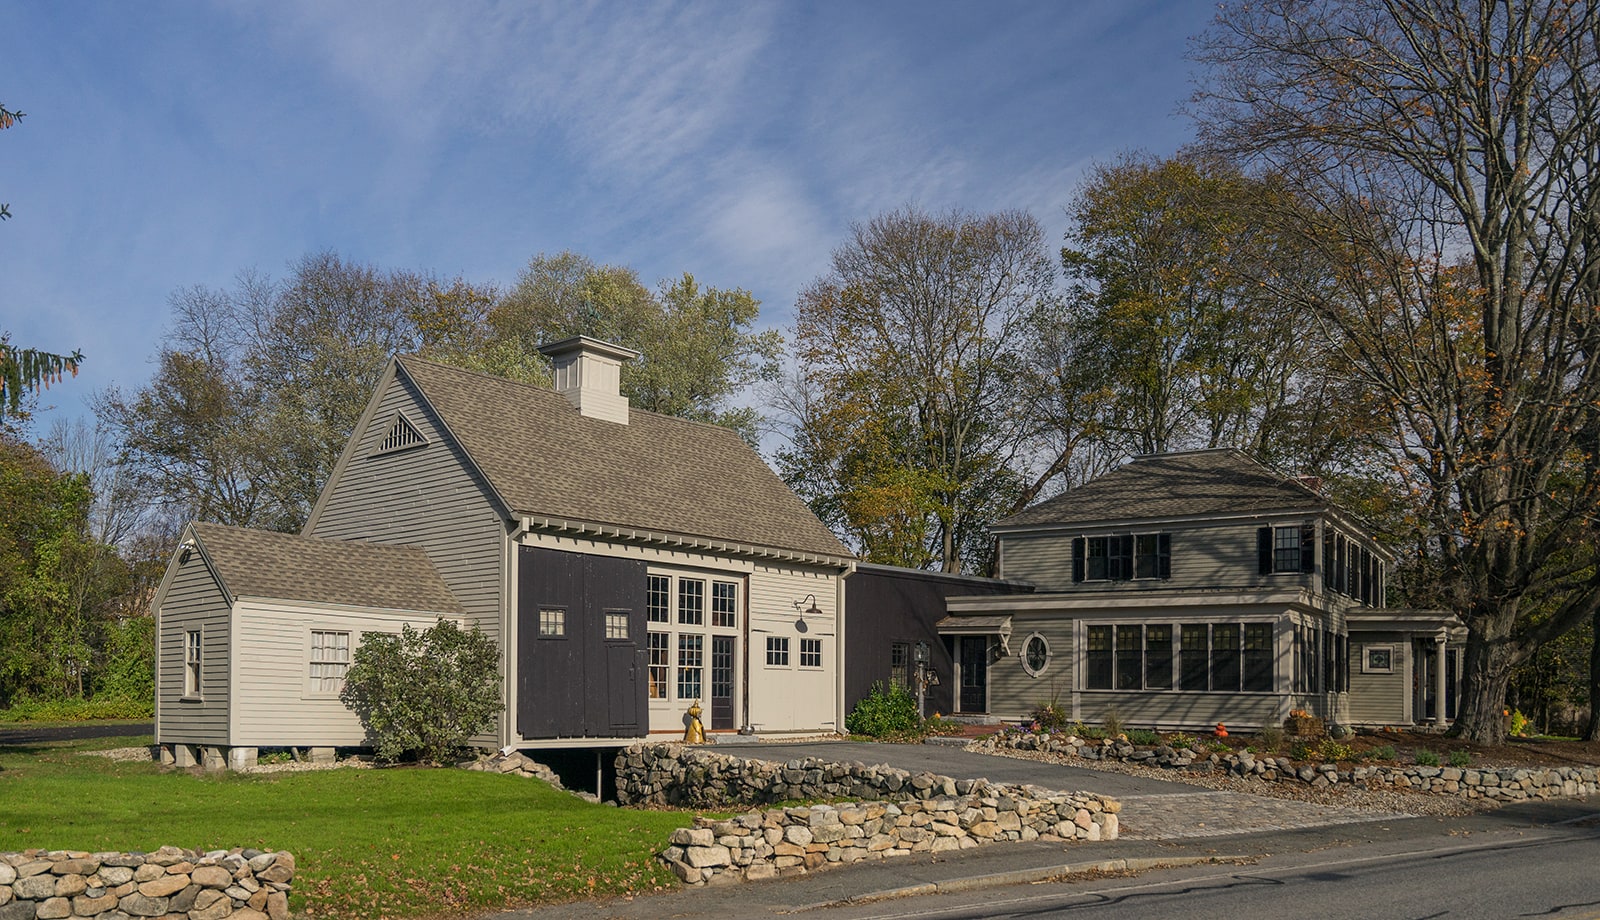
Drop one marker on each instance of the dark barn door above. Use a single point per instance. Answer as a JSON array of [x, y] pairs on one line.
[[722, 682], [580, 671]]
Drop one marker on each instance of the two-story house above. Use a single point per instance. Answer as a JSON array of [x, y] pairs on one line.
[[1186, 589]]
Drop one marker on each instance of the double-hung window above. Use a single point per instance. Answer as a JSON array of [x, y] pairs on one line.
[[191, 663], [330, 660]]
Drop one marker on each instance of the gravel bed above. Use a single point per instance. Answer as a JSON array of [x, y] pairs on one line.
[[1381, 798]]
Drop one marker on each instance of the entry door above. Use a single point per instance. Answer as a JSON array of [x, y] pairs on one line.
[[974, 674], [722, 682]]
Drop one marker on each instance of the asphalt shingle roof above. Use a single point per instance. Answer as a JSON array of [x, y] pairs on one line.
[[1175, 485], [656, 473], [263, 563]]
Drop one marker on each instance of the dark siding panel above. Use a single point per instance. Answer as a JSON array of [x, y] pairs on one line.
[[581, 684], [882, 608]]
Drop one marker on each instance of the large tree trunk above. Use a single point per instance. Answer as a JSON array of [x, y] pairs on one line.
[[1480, 715]]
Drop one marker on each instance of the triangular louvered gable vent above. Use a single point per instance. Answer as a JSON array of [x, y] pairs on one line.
[[402, 434]]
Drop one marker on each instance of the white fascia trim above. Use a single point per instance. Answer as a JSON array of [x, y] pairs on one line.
[[1105, 602], [684, 541]]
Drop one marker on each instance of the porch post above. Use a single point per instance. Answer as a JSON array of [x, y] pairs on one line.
[[1438, 681]]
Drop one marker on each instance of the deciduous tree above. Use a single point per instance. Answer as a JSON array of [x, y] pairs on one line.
[[1445, 155]]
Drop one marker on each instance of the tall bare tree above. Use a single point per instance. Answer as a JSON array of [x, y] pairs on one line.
[[1445, 153], [911, 347]]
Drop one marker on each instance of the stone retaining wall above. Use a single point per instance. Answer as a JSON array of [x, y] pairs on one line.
[[899, 813], [169, 883], [1504, 784]]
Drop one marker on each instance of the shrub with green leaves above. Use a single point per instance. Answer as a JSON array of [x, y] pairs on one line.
[[1331, 750], [424, 693], [1427, 759], [1111, 721], [1143, 736], [1460, 759], [1269, 738], [1384, 753], [1050, 717], [886, 710]]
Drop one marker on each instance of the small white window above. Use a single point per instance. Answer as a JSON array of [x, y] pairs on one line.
[[552, 623], [1379, 659], [1035, 655], [191, 663], [777, 651], [330, 660], [810, 653], [616, 624]]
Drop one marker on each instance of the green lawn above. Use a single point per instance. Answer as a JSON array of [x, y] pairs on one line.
[[392, 843]]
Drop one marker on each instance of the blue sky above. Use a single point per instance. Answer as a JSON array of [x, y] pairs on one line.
[[169, 145]]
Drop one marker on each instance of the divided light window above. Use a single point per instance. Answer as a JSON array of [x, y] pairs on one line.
[[691, 666], [691, 601], [660, 666], [191, 663], [1287, 549], [330, 660], [1158, 657], [778, 651], [659, 598], [900, 664], [1214, 657], [810, 653], [724, 604], [1225, 656], [1258, 652], [1130, 657], [1194, 663], [1122, 557], [1098, 663]]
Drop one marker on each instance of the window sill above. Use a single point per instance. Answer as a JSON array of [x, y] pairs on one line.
[[192, 698]]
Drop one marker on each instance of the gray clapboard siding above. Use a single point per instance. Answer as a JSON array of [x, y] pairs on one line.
[[1013, 692], [1203, 556], [425, 496], [428, 497], [194, 601], [1379, 698]]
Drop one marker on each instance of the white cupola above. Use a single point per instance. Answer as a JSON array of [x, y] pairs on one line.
[[588, 372]]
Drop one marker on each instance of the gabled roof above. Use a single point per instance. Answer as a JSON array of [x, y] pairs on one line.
[[657, 473], [290, 567], [1197, 483]]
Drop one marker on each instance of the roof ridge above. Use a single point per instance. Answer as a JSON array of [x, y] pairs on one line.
[[535, 388]]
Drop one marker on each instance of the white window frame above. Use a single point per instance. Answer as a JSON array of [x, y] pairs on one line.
[[816, 650], [314, 680], [778, 646], [673, 628], [193, 663], [1023, 655], [1367, 667]]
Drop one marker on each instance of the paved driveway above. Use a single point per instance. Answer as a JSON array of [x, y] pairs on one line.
[[1151, 808], [34, 734]]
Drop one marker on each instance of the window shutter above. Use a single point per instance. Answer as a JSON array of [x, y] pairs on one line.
[[1308, 547], [1264, 549], [1164, 555], [1077, 559]]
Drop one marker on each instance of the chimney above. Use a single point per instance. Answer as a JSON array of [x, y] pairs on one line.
[[588, 373]]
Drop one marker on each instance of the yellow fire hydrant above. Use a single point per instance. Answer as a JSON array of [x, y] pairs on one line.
[[694, 732]]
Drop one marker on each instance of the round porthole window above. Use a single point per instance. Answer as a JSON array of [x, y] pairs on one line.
[[1035, 655]]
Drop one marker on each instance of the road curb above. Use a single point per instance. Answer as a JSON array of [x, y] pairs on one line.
[[1023, 877]]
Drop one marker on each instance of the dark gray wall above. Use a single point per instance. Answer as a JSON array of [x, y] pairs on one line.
[[884, 605]]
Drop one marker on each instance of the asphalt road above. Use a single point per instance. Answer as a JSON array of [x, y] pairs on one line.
[[33, 734]]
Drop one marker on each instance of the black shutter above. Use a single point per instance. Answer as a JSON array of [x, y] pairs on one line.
[[1077, 559], [1164, 555], [1308, 547], [1264, 549]]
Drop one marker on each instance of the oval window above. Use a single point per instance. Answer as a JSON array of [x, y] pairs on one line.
[[1035, 655]]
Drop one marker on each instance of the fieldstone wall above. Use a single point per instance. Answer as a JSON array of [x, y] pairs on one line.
[[896, 813], [1504, 784], [169, 883]]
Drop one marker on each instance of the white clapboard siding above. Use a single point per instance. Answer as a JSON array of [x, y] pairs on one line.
[[274, 703]]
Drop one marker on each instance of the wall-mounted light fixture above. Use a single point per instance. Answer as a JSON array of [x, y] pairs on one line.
[[185, 550], [812, 611]]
